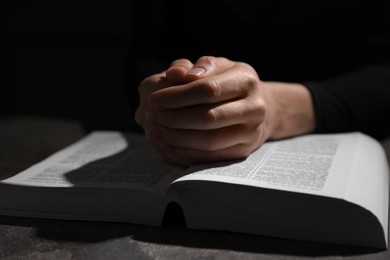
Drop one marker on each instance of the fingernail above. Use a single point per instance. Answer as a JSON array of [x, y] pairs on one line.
[[197, 71]]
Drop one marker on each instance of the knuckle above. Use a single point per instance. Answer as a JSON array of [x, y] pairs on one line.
[[252, 82], [208, 60], [144, 88], [259, 107], [181, 63], [147, 81], [178, 61], [212, 117], [152, 83], [211, 90], [249, 76]]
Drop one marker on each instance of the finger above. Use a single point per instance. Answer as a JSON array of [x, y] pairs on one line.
[[184, 71], [220, 85], [206, 66], [210, 140], [204, 91], [152, 84], [185, 156], [236, 82], [145, 89], [206, 117], [209, 66], [178, 70]]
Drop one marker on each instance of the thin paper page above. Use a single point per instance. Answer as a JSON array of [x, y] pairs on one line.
[[317, 164], [369, 185], [102, 159]]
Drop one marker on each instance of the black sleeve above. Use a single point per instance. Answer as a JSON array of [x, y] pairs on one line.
[[358, 97], [359, 100]]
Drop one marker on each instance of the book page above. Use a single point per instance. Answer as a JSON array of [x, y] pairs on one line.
[[369, 184], [102, 159], [315, 164]]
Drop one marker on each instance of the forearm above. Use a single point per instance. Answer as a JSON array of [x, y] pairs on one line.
[[357, 101], [292, 109]]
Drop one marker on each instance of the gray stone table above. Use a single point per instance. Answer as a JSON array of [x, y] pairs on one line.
[[25, 141]]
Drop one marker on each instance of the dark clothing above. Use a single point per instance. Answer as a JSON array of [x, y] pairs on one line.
[[356, 101], [340, 50]]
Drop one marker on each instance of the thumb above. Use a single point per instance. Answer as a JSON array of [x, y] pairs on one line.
[[177, 71]]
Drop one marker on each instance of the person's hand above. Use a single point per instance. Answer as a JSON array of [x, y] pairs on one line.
[[215, 109]]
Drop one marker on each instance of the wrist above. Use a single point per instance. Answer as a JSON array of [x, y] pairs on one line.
[[292, 111]]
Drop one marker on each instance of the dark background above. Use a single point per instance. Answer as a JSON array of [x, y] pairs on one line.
[[83, 59], [67, 59]]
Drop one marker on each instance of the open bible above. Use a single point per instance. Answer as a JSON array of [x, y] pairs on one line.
[[330, 188]]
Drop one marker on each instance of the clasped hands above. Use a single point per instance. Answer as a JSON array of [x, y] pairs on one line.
[[211, 110]]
